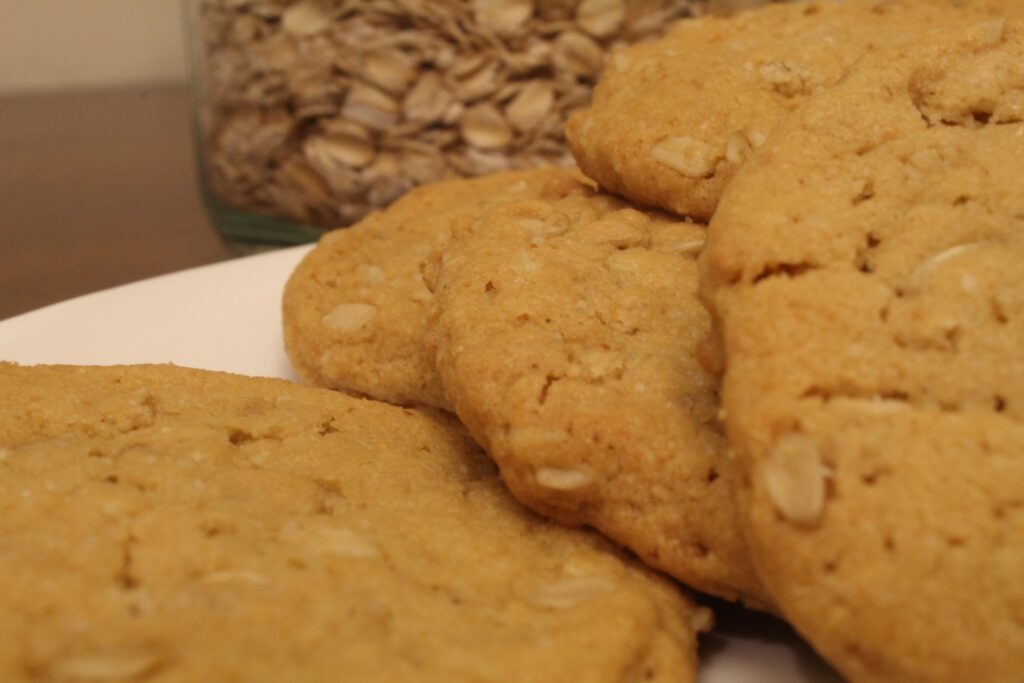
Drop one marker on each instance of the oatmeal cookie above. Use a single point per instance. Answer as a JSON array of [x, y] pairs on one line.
[[160, 523], [355, 308], [672, 121], [565, 335], [866, 273]]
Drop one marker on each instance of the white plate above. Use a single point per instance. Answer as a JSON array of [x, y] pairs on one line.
[[225, 316], [228, 317]]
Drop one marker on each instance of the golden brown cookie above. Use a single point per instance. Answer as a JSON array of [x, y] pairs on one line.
[[355, 308], [866, 271], [672, 121], [160, 523], [565, 334]]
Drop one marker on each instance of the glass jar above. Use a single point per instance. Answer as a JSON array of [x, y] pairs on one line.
[[311, 113]]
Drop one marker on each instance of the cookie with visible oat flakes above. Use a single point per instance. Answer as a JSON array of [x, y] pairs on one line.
[[672, 121], [161, 523], [866, 274], [565, 335], [355, 307]]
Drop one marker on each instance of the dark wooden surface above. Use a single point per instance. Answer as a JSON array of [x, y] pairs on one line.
[[96, 189]]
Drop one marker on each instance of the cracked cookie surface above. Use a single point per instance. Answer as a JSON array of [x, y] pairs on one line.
[[866, 274], [672, 121], [565, 334], [166, 524], [355, 308]]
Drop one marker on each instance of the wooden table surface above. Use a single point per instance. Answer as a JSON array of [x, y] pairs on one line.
[[96, 189]]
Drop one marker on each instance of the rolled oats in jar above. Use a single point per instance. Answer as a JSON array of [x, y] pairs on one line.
[[311, 113]]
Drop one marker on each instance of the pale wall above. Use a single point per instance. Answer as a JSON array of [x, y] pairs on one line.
[[84, 44]]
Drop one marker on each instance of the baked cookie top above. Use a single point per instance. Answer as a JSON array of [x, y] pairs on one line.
[[672, 121], [160, 523], [866, 271], [355, 307], [565, 335]]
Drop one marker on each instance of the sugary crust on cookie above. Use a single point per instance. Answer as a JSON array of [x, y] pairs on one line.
[[672, 121], [866, 272], [167, 524], [355, 308], [565, 334]]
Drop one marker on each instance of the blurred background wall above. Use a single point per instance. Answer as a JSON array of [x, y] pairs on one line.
[[88, 44], [97, 179]]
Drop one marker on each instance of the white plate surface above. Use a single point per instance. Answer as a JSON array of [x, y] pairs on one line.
[[228, 317]]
